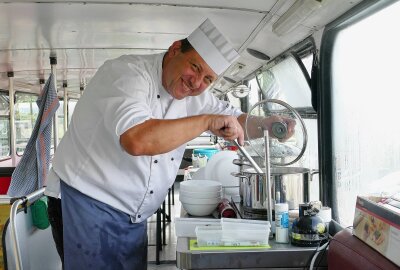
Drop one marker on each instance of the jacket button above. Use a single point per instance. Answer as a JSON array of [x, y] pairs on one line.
[[151, 192], [172, 159], [158, 96], [156, 161], [139, 216]]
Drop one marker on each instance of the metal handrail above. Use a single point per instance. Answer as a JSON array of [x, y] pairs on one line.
[[30, 198]]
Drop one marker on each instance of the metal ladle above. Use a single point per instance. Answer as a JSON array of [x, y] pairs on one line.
[[260, 171]]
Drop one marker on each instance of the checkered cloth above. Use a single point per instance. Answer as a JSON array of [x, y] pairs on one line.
[[31, 172]]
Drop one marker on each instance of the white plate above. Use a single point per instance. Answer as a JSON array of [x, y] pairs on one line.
[[220, 167]]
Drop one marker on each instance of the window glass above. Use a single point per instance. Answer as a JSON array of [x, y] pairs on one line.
[[60, 120], [365, 101], [307, 62], [286, 81], [71, 108], [269, 85], [26, 112], [234, 101], [254, 94], [4, 126]]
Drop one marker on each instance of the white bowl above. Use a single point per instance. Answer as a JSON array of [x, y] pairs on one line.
[[200, 186], [201, 195], [185, 199], [199, 209]]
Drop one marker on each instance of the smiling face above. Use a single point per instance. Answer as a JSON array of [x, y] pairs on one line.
[[185, 74]]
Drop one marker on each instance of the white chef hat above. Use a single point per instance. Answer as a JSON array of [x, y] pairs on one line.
[[213, 47]]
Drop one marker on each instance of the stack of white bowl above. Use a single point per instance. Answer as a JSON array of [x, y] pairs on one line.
[[200, 197]]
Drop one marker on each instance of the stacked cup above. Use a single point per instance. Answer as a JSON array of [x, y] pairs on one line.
[[200, 197]]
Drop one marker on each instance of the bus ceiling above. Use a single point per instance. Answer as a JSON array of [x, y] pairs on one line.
[[84, 34]]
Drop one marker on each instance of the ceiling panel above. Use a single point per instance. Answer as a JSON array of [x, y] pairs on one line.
[[83, 34], [257, 5]]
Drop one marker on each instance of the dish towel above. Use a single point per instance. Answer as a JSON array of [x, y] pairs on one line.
[[31, 172]]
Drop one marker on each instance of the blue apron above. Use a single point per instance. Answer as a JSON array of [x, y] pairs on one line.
[[98, 236]]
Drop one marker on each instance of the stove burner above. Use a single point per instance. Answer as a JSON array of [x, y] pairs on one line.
[[250, 210], [249, 213]]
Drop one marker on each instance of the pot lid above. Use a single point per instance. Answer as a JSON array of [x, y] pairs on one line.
[[287, 131]]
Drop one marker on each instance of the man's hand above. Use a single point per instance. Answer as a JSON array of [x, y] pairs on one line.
[[227, 127], [256, 125]]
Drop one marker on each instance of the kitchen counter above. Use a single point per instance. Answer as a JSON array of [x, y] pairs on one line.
[[282, 256], [279, 256]]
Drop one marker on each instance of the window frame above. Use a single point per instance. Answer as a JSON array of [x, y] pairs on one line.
[[3, 158], [15, 98], [325, 116]]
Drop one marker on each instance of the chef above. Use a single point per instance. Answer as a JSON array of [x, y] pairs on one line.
[[125, 143]]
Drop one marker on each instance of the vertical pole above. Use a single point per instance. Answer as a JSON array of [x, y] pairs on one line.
[[164, 213], [158, 235], [13, 150], [65, 85], [82, 85], [41, 84], [268, 179], [81, 88], [53, 63]]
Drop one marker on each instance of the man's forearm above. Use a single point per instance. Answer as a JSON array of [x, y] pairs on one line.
[[157, 136]]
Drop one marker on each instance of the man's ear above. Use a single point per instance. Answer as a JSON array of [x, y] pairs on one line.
[[175, 48]]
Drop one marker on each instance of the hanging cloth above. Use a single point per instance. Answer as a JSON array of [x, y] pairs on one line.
[[31, 172]]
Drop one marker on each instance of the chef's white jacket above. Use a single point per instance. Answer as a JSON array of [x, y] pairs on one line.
[[123, 93]]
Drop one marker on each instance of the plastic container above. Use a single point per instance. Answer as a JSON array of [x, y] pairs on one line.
[[245, 237], [201, 156], [186, 227], [208, 152], [209, 235], [245, 232], [282, 223], [245, 224], [214, 235]]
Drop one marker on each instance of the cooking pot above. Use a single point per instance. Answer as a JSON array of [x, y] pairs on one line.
[[289, 185]]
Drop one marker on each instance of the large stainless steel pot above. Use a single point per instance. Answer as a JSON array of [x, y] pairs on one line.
[[289, 184]]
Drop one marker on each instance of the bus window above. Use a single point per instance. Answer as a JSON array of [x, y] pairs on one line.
[[290, 83], [365, 101], [4, 126], [26, 112], [287, 81], [60, 120], [71, 108], [254, 94], [307, 62]]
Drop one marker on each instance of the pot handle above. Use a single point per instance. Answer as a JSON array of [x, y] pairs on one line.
[[240, 175], [312, 172], [240, 162]]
